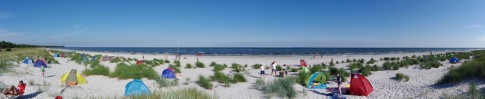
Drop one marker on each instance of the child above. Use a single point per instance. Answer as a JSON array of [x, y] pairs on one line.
[[262, 71], [42, 68]]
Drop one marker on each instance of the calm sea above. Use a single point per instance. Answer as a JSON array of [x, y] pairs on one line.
[[263, 51]]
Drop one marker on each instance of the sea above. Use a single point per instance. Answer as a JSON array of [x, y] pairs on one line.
[[263, 51]]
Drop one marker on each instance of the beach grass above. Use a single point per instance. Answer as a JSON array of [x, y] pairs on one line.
[[98, 70], [218, 67], [124, 71], [204, 82], [468, 70], [187, 93], [282, 87], [188, 66], [402, 77], [239, 78], [199, 64], [163, 82]]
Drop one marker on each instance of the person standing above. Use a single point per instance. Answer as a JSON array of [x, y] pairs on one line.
[[273, 68], [262, 71], [339, 82]]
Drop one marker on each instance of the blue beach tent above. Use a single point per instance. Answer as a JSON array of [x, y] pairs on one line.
[[27, 60], [94, 58], [454, 60], [318, 77], [39, 63], [168, 73], [136, 87]]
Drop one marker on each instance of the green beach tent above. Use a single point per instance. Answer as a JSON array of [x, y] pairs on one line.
[[318, 77]]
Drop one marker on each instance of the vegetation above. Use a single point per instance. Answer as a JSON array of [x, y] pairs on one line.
[[204, 82], [188, 93], [282, 87], [222, 78], [219, 67], [237, 67], [175, 68], [124, 71], [402, 77], [199, 64], [259, 84], [331, 62], [371, 61], [239, 78], [256, 66], [163, 82], [213, 63], [302, 76], [316, 68], [188, 66], [474, 69], [98, 70]]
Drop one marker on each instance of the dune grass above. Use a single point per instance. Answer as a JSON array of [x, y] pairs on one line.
[[188, 66], [402, 77], [124, 71], [222, 78], [218, 67], [474, 69], [187, 93], [163, 82], [199, 64], [239, 78], [204, 82], [282, 87], [98, 70]]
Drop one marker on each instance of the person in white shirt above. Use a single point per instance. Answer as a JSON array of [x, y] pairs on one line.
[[262, 71], [273, 68]]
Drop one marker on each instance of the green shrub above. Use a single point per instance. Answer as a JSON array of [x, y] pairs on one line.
[[282, 87], [302, 76], [331, 62], [324, 66], [256, 66], [333, 70], [177, 63], [366, 71], [259, 84], [371, 61], [98, 70], [213, 63], [237, 67], [430, 64], [402, 77], [188, 65], [175, 68], [8, 49], [124, 71], [204, 82], [199, 64], [116, 60], [167, 61], [294, 70], [220, 77], [279, 68], [239, 78], [218, 67], [316, 68], [163, 82], [473, 92]]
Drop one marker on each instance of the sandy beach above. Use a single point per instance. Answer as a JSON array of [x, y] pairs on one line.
[[420, 85]]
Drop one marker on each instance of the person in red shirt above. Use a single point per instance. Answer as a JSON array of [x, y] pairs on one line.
[[15, 91]]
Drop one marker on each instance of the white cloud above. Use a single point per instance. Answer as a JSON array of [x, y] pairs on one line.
[[481, 39], [474, 26]]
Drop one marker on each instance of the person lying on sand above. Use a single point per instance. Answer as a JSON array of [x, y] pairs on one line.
[[15, 91]]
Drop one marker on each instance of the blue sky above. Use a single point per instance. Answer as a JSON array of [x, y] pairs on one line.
[[244, 23]]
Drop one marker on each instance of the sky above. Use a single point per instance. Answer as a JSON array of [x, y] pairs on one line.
[[244, 23]]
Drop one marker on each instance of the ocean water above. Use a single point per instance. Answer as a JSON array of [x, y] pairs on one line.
[[263, 51]]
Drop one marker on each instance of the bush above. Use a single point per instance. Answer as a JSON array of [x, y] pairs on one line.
[[282, 87], [366, 71], [204, 82], [167, 61], [256, 66], [199, 64], [430, 64], [8, 49], [175, 68], [213, 63], [371, 61], [221, 78], [219, 67], [163, 82], [188, 65], [237, 67], [124, 71], [402, 77], [279, 68], [344, 74], [331, 62], [324, 66], [116, 60], [239, 78], [333, 70], [474, 69], [302, 76], [294, 70], [98, 70], [316, 68], [177, 63], [259, 84]]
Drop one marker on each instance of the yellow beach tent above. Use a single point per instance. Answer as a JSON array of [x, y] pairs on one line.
[[73, 78]]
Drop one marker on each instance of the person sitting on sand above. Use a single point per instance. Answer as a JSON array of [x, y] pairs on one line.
[[283, 73], [262, 71], [15, 91]]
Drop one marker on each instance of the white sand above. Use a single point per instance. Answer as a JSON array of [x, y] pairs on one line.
[[420, 85]]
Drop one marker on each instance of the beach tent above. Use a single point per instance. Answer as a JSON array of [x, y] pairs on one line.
[[305, 69], [94, 58], [63, 56], [319, 77], [27, 60], [39, 63], [136, 87], [73, 78], [139, 62], [359, 85], [85, 59], [454, 60], [168, 73], [302, 62]]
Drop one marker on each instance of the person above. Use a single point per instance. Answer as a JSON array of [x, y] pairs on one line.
[[42, 68], [15, 91], [339, 83], [273, 68], [283, 73], [262, 71]]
